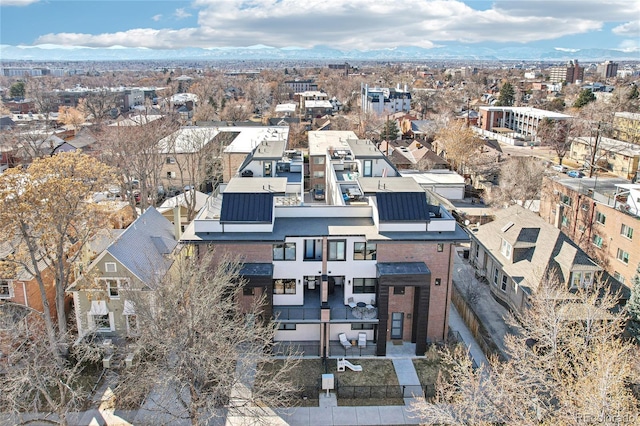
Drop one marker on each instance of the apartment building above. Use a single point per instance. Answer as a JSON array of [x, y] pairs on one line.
[[600, 215], [520, 122], [570, 73], [372, 259], [626, 127], [607, 69], [384, 100], [620, 158]]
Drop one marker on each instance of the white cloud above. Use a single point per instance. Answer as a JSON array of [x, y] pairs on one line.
[[631, 45], [17, 2], [157, 17], [365, 24], [629, 29], [181, 13]]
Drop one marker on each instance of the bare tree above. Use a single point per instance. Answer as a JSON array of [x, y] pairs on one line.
[[458, 144], [200, 352], [520, 182], [555, 134], [570, 366]]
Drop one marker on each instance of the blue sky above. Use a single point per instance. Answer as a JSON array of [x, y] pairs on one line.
[[341, 24]]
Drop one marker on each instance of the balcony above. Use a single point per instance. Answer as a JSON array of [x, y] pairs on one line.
[[310, 310]]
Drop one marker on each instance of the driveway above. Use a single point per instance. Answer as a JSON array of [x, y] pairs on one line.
[[491, 313]]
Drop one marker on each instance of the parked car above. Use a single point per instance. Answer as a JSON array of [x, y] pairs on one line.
[[560, 168], [575, 174]]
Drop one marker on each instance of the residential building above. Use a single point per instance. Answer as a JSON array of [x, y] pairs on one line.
[[600, 214], [626, 127], [619, 158], [518, 249], [607, 69], [570, 73], [302, 85], [384, 100], [137, 261], [317, 108], [313, 95], [374, 256], [520, 124]]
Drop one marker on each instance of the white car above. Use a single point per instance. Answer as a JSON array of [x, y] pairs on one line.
[[560, 168]]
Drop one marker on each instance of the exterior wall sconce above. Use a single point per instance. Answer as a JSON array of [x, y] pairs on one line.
[[349, 282]]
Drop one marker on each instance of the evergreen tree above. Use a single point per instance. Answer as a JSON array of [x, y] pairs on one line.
[[390, 131], [507, 95], [633, 306], [584, 98], [633, 93], [17, 90]]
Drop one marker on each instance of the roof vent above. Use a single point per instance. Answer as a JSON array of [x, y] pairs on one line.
[[507, 227]]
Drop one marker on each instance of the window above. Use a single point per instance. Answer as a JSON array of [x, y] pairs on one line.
[[113, 288], [248, 291], [585, 206], [496, 273], [626, 231], [286, 326], [505, 279], [565, 199], [623, 256], [5, 289], [581, 279], [170, 160], [318, 160], [312, 250], [364, 285], [171, 175], [364, 251], [438, 281], [565, 220], [368, 168], [132, 324], [440, 248], [398, 289], [618, 277], [284, 286], [477, 251], [597, 240], [600, 218], [337, 249], [361, 326], [505, 249], [110, 267], [285, 251], [102, 322], [318, 174]]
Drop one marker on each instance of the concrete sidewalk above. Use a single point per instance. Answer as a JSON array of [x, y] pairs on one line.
[[457, 324]]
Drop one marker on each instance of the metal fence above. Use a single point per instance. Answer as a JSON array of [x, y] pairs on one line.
[[382, 391]]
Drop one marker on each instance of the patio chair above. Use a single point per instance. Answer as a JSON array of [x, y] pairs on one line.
[[371, 304], [351, 303], [346, 344], [362, 340]]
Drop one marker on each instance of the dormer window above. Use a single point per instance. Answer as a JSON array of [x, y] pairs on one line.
[[505, 249]]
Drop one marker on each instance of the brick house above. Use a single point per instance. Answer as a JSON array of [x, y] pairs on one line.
[[374, 256]]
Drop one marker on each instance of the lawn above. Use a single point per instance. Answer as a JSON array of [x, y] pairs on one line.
[[428, 368], [375, 372]]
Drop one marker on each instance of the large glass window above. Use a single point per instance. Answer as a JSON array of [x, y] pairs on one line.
[[600, 218], [623, 256], [285, 251], [337, 249], [365, 285], [505, 249], [312, 249], [368, 168], [626, 231], [597, 240], [284, 286], [364, 251]]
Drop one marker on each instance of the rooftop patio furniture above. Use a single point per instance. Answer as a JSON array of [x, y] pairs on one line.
[[352, 304]]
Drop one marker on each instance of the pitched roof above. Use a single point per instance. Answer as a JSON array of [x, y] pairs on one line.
[[246, 207], [402, 206], [143, 246], [180, 200], [538, 247]]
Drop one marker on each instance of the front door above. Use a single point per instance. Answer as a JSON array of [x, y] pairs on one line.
[[397, 320]]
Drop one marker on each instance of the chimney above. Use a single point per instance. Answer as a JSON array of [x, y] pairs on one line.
[[177, 227]]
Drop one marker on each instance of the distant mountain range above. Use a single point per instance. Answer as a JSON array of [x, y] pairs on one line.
[[403, 53]]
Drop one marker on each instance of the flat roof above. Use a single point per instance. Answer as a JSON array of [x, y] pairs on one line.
[[389, 184], [434, 177], [527, 110], [317, 104], [257, 185], [362, 148], [270, 150], [251, 136], [321, 141]]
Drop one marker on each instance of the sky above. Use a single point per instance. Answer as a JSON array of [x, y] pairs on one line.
[[339, 24]]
